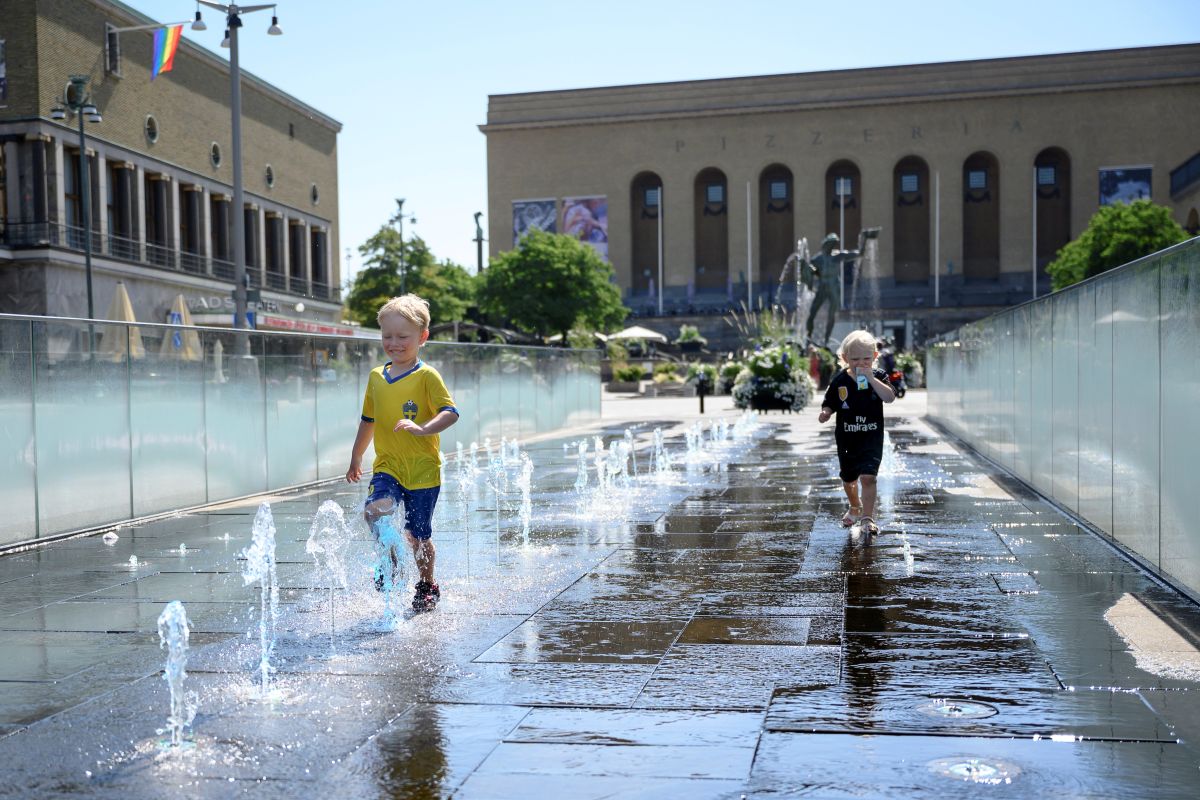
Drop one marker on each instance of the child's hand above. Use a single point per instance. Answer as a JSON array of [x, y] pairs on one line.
[[410, 426], [354, 474], [824, 415]]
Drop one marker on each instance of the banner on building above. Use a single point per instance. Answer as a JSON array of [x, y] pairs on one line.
[[3, 75], [586, 218], [530, 214], [1124, 184]]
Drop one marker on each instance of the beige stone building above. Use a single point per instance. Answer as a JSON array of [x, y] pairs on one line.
[[160, 166], [975, 172]]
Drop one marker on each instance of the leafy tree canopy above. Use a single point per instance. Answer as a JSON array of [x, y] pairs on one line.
[[1115, 235], [548, 284], [449, 288]]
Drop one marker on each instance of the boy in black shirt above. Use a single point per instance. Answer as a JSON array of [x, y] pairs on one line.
[[856, 395]]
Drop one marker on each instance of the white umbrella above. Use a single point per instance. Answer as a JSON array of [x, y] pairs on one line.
[[114, 342], [181, 343], [638, 332]]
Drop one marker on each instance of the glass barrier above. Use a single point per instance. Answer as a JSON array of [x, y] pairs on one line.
[[1089, 395], [105, 421]]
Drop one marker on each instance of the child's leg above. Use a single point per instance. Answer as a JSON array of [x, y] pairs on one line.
[[868, 495], [418, 507], [851, 489]]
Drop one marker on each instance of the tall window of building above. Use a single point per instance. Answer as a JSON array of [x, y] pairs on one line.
[[250, 215]]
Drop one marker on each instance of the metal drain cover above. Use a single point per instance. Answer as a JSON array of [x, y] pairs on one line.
[[975, 770], [950, 708]]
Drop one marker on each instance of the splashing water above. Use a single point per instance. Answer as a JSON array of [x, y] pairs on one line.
[[260, 568], [662, 461], [525, 484], [183, 551], [629, 442], [474, 458], [328, 537], [390, 546], [173, 634], [110, 538], [601, 469], [133, 562], [581, 474]]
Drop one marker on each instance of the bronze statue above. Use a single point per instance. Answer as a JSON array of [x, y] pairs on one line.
[[825, 271]]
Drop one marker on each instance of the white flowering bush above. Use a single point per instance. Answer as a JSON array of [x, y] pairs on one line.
[[773, 378]]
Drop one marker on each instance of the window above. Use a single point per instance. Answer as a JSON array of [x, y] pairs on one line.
[[151, 129], [715, 193], [650, 198], [214, 154], [270, 176], [977, 179], [112, 51], [910, 183], [1046, 176], [315, 194], [291, 130], [779, 190], [843, 187]]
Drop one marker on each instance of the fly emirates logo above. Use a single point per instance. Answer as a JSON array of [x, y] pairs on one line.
[[860, 425]]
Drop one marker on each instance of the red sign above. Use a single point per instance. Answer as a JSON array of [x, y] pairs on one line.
[[304, 326]]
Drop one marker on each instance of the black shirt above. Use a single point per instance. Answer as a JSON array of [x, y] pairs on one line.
[[859, 420]]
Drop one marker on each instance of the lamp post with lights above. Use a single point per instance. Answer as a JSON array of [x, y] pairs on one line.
[[233, 21], [78, 102]]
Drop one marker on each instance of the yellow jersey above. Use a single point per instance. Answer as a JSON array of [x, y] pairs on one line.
[[418, 394]]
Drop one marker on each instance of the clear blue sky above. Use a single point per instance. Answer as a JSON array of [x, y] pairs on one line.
[[410, 81]]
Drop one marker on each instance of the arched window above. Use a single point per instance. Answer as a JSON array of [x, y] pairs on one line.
[[843, 202], [1193, 223], [776, 222], [645, 203], [1053, 175], [711, 203], [981, 217], [910, 220]]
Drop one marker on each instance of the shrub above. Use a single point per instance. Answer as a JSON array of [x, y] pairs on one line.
[[617, 352], [628, 373], [690, 333], [666, 372], [728, 376], [772, 378]]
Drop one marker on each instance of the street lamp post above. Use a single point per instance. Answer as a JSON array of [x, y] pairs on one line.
[[78, 102], [399, 218], [233, 21], [479, 240]]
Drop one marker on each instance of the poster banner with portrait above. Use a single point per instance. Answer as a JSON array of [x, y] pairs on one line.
[[530, 214], [586, 218], [1124, 184], [3, 75]]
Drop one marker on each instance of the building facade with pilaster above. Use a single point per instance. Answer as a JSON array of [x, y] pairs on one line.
[[975, 173], [161, 178]]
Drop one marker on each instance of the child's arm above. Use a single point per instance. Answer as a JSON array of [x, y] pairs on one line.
[[442, 420], [825, 414], [882, 388], [366, 431]]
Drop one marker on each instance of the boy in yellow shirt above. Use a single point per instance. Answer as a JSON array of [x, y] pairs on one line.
[[405, 407]]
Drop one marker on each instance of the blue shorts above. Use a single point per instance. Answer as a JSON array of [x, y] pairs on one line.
[[418, 503]]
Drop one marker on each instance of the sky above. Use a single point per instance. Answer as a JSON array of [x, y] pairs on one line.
[[410, 81]]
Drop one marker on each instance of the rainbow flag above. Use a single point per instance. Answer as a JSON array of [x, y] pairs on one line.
[[166, 42]]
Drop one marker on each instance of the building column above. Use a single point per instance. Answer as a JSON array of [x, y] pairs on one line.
[[174, 240], [57, 175], [139, 193], [206, 248], [285, 243], [100, 198], [304, 256], [260, 243]]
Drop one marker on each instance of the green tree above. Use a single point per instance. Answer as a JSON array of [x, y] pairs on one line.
[[548, 284], [1115, 235], [449, 288]]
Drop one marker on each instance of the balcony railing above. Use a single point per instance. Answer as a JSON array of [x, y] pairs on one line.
[[27, 235]]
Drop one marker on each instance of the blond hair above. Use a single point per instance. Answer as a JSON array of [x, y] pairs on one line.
[[409, 306], [857, 344]]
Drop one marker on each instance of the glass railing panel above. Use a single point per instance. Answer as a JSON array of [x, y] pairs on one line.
[[82, 431], [1180, 423], [18, 449], [235, 422], [289, 383], [1064, 399], [166, 395], [1041, 369], [1095, 403]]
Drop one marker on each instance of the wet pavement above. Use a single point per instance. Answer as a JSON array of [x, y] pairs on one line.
[[711, 632]]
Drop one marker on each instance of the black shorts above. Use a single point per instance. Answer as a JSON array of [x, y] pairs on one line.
[[859, 461]]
